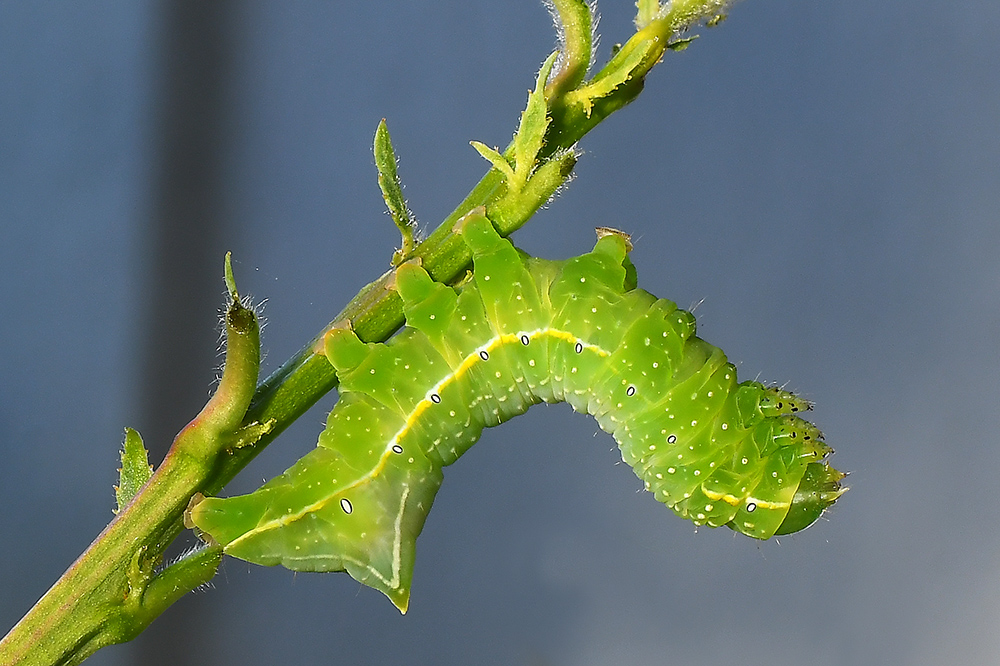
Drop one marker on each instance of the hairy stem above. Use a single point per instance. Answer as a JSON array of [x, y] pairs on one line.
[[113, 591], [376, 313]]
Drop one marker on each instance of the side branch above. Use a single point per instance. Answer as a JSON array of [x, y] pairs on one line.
[[113, 591], [376, 312]]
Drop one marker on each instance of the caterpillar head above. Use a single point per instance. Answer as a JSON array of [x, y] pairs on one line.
[[820, 487]]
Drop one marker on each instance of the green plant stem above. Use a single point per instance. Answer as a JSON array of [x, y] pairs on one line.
[[100, 599], [111, 592], [376, 313]]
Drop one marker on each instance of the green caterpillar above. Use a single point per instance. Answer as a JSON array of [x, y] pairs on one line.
[[521, 331]]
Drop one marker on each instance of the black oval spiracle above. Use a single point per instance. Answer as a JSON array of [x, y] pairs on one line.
[[485, 355], [579, 348], [525, 339]]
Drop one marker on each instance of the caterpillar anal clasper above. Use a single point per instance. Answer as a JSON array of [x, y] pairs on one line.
[[522, 331]]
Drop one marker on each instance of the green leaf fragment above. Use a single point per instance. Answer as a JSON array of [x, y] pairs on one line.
[[681, 44], [498, 161], [135, 470], [231, 279], [610, 78], [392, 192], [529, 138], [531, 131]]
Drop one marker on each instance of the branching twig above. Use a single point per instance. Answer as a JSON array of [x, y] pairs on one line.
[[113, 591]]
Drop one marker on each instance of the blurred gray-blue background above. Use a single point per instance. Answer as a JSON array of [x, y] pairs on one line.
[[823, 178]]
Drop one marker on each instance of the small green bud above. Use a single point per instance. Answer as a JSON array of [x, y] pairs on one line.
[[135, 470]]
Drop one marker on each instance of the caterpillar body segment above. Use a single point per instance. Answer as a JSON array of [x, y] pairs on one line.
[[522, 331]]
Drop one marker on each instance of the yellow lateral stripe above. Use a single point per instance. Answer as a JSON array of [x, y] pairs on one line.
[[761, 504], [732, 500], [474, 358], [421, 407]]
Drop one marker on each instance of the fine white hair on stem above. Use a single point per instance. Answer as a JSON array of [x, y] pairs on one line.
[[246, 300], [699, 11], [595, 18]]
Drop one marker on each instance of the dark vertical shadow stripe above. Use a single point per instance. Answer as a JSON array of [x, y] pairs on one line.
[[184, 275]]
